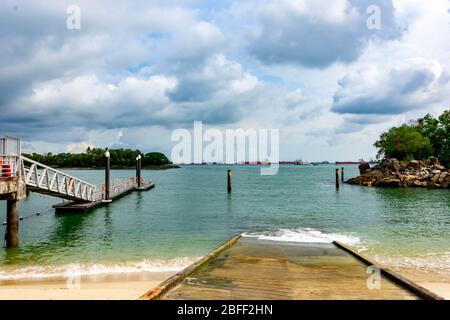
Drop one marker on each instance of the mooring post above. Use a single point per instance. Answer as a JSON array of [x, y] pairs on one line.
[[342, 174], [138, 170], [12, 223], [229, 180], [337, 178], [107, 174]]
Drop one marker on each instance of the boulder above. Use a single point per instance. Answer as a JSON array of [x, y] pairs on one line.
[[434, 161], [435, 178], [392, 163], [413, 164], [363, 167], [438, 167], [389, 182], [442, 177]]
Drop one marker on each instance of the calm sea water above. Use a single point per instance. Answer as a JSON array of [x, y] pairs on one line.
[[189, 213]]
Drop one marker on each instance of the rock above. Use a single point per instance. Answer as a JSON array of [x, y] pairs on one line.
[[447, 179], [436, 172], [418, 184], [413, 164], [438, 167], [389, 182], [392, 163], [422, 164], [435, 178], [434, 161], [363, 167], [442, 177], [434, 185]]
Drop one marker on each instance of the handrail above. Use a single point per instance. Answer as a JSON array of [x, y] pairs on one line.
[[54, 170], [46, 178]]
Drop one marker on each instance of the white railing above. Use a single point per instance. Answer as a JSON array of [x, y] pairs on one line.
[[56, 182], [118, 187]]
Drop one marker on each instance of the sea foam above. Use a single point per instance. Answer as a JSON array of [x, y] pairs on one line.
[[86, 269], [307, 235]]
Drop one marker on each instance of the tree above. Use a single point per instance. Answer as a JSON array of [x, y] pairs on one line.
[[438, 131], [404, 143], [95, 158]]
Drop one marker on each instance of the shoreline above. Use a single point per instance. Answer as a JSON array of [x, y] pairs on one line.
[[130, 286], [124, 286]]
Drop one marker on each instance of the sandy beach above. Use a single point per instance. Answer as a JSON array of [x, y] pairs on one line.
[[107, 287]]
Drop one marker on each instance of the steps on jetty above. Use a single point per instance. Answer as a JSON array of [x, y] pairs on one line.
[[247, 268]]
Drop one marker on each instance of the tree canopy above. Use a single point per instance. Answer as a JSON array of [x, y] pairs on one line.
[[95, 158], [428, 136]]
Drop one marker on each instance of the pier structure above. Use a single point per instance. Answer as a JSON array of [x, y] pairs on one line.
[[20, 175]]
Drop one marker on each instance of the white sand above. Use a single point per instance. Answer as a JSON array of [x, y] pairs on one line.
[[103, 289]]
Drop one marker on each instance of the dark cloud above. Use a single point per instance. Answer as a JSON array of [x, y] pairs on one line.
[[393, 90], [319, 34]]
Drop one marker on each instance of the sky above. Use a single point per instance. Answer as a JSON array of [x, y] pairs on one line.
[[132, 72]]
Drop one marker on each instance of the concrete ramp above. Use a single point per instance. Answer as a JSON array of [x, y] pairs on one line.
[[247, 268]]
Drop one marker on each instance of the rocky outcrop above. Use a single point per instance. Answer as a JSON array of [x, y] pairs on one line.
[[391, 173]]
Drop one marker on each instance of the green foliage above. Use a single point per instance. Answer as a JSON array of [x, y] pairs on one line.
[[95, 158], [428, 136], [438, 131], [404, 143]]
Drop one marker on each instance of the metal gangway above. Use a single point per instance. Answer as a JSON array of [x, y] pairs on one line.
[[43, 179], [46, 180]]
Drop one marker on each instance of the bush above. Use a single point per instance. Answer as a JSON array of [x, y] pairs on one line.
[[404, 143]]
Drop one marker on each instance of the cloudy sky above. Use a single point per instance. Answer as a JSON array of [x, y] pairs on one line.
[[134, 71]]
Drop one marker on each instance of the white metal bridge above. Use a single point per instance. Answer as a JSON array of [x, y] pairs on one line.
[[41, 178], [46, 180]]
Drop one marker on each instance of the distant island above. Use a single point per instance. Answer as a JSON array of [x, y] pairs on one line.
[[416, 154], [95, 158]]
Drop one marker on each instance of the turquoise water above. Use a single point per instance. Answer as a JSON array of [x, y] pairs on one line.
[[189, 213]]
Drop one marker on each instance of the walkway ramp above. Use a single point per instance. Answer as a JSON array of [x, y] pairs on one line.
[[247, 268], [46, 180]]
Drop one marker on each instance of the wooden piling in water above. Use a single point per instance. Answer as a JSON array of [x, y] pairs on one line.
[[138, 171], [229, 180], [337, 178], [107, 175], [342, 174], [12, 223]]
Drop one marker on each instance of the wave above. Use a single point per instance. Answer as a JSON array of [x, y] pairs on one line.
[[308, 235], [75, 269]]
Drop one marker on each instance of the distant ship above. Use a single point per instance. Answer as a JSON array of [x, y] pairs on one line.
[[300, 162], [265, 162], [319, 163], [350, 162]]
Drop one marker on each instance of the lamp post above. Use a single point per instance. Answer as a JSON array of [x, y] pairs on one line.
[[138, 171], [107, 174]]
